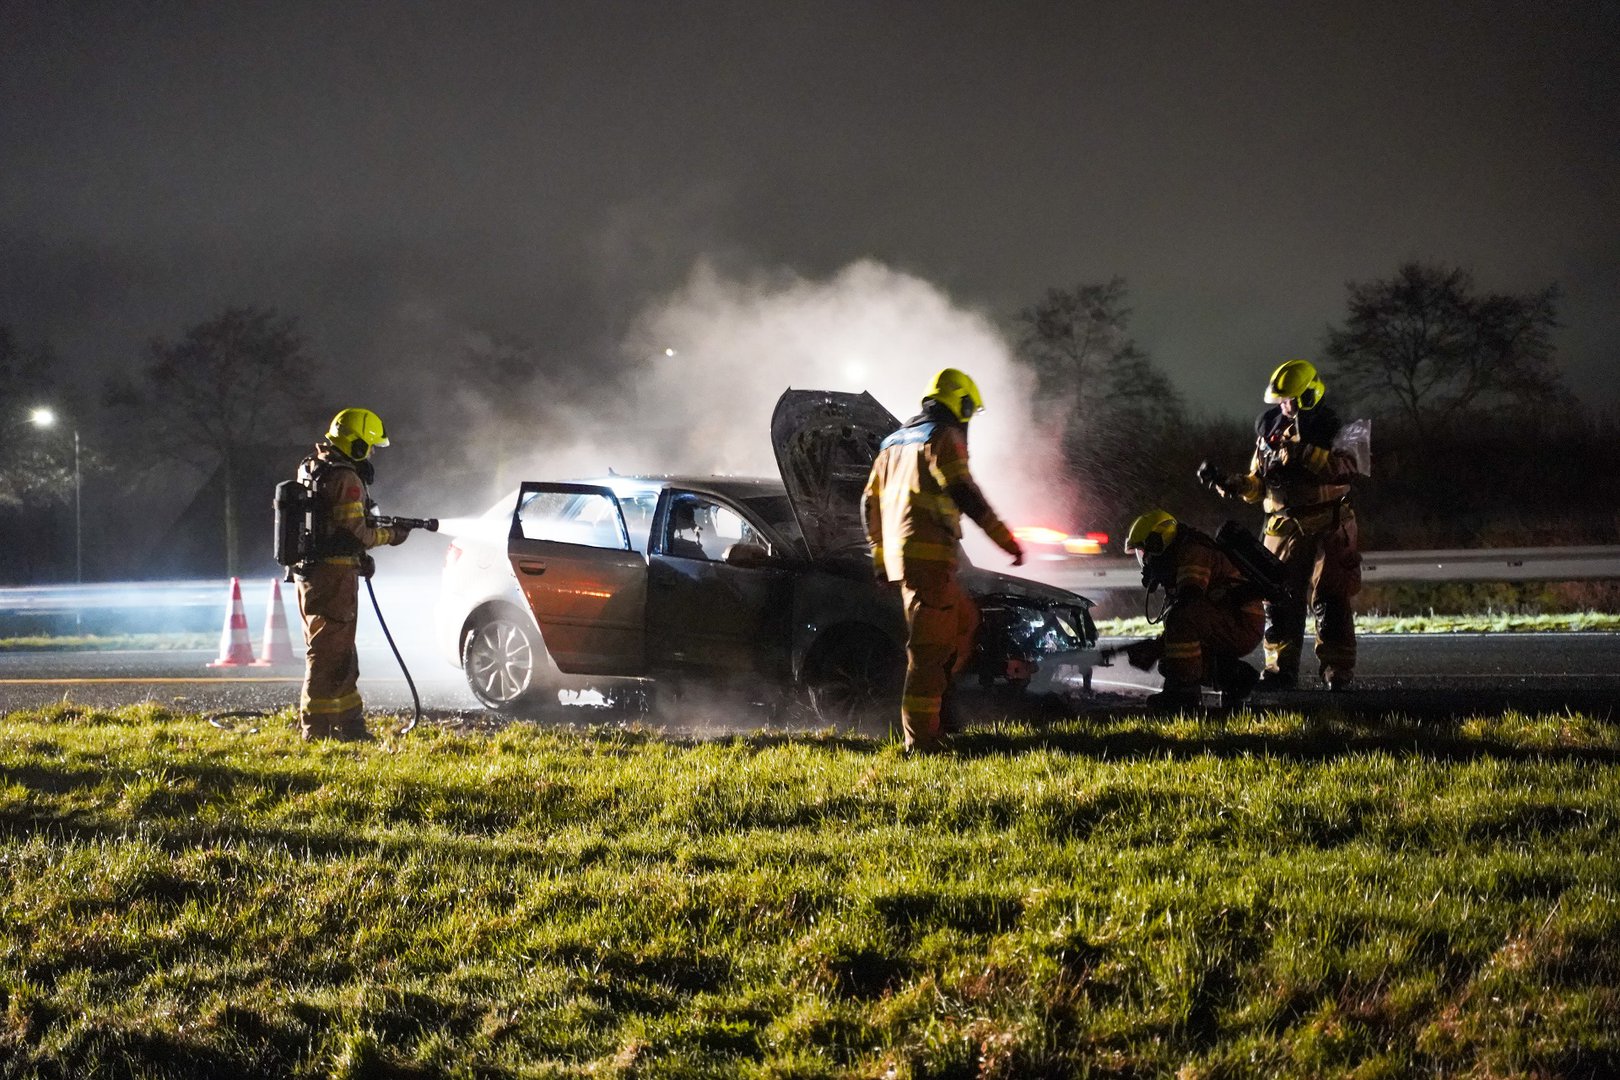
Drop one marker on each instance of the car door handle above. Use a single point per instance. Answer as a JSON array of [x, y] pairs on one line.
[[535, 568]]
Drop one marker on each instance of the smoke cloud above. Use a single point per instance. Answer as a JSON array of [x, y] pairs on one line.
[[706, 364]]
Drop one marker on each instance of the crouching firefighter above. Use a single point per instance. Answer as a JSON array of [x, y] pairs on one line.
[[1213, 616], [1302, 475], [918, 489], [336, 477]]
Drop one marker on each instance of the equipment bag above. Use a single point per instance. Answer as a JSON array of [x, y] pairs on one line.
[[1249, 555]]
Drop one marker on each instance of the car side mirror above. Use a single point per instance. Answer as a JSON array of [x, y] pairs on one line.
[[746, 555]]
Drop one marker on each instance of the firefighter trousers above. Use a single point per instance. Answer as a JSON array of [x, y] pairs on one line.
[[941, 620], [1199, 631], [1324, 575], [328, 601]]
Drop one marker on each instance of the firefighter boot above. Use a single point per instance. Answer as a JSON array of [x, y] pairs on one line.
[[1279, 680], [1176, 695], [1337, 681], [1236, 678]]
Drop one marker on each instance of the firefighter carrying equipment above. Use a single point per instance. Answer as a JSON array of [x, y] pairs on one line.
[[956, 391], [1214, 619], [1302, 476], [328, 587], [356, 431], [1296, 380]]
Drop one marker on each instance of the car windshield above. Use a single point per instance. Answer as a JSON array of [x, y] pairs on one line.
[[776, 511]]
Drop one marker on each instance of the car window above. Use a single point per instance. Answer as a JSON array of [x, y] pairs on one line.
[[571, 517], [698, 527]]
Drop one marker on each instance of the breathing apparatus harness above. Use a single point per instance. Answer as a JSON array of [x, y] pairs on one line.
[[303, 536], [1261, 569]]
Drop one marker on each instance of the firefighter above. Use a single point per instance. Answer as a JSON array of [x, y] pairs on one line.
[[338, 473], [1213, 615], [917, 491], [1304, 484]]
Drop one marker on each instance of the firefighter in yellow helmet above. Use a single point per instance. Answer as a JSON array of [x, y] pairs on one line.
[[1303, 480], [338, 473], [1212, 615], [915, 495]]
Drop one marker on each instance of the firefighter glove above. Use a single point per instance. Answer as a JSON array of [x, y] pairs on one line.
[[397, 535], [1144, 654], [1210, 476], [1017, 553], [368, 566]]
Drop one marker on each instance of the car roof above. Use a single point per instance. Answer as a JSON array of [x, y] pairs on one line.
[[727, 487]]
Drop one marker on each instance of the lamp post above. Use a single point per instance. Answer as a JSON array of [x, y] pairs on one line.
[[43, 418]]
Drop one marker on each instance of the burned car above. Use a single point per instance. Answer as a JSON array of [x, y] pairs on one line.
[[763, 585]]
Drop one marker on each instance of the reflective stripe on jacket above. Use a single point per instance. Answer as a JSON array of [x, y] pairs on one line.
[[910, 515]]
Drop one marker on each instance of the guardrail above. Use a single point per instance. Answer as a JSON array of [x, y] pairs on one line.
[[1482, 564], [1079, 573]]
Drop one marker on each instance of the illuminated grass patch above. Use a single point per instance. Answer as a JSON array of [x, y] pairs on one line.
[[1251, 895]]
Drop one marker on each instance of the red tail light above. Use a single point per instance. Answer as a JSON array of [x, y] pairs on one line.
[[452, 554]]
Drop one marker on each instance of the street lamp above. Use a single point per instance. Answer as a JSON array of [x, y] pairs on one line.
[[43, 417]]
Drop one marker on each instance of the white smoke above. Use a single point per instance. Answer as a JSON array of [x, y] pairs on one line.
[[714, 356]]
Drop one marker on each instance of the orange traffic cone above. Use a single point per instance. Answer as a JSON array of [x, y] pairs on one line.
[[235, 650], [277, 642]]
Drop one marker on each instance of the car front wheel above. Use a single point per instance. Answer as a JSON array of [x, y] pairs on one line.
[[505, 663], [855, 679]]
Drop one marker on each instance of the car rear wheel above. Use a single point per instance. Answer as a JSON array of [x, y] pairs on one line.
[[505, 663], [855, 679]]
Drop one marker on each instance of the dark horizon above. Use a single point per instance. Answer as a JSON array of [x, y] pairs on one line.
[[405, 179]]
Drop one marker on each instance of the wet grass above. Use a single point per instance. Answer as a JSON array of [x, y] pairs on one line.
[[1256, 895]]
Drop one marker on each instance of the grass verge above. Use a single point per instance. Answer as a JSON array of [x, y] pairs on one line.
[[1256, 895]]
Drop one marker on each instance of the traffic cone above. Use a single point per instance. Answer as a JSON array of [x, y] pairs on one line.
[[277, 642], [235, 650]]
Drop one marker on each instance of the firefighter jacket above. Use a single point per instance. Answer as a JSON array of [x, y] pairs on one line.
[[338, 482], [917, 491], [1295, 469], [1195, 564]]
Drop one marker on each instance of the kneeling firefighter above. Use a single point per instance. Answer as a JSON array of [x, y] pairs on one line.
[[1303, 474], [916, 494], [1212, 616], [338, 475]]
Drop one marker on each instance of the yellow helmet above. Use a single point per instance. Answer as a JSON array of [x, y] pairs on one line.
[[1296, 379], [957, 392], [1151, 533], [356, 431]]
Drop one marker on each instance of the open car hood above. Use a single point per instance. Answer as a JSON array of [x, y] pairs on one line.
[[825, 443]]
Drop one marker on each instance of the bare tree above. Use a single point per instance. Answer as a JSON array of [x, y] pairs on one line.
[[1100, 390], [234, 382], [1424, 342]]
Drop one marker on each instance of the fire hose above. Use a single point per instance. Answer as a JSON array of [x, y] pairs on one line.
[[431, 525]]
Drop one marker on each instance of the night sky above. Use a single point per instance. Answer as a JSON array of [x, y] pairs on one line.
[[549, 170]]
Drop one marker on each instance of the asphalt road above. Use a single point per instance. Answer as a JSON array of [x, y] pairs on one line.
[[1417, 674]]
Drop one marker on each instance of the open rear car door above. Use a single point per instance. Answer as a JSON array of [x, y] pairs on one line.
[[583, 579]]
